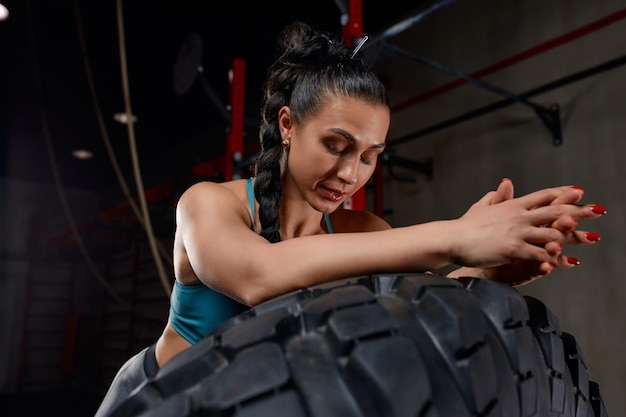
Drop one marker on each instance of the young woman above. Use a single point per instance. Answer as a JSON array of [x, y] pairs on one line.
[[324, 122]]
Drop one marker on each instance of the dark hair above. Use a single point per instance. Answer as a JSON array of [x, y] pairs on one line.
[[311, 67]]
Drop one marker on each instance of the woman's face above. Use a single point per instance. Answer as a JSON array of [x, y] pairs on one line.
[[333, 153]]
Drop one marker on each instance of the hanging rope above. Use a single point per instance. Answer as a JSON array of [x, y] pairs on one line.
[[133, 151], [105, 136]]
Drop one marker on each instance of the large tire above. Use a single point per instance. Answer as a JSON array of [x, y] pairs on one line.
[[381, 345]]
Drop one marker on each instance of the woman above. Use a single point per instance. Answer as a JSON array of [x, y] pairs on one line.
[[324, 122]]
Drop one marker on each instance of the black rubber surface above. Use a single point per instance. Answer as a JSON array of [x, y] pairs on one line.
[[401, 345]]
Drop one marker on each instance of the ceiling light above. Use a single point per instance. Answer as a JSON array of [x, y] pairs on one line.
[[82, 154], [123, 118], [4, 12]]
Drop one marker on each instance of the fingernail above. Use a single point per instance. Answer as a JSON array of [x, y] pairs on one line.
[[505, 179], [573, 261], [598, 209], [578, 187], [592, 236]]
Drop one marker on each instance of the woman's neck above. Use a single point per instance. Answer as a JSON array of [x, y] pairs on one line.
[[298, 218]]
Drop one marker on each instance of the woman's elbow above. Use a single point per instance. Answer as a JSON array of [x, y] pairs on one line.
[[252, 288], [256, 293]]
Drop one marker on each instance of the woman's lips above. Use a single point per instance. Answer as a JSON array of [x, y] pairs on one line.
[[332, 194]]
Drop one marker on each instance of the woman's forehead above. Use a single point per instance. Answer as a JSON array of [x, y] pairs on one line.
[[360, 118]]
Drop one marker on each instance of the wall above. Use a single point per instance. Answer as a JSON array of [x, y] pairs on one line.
[[470, 158], [31, 213]]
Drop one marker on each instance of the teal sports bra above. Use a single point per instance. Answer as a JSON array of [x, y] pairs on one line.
[[196, 309]]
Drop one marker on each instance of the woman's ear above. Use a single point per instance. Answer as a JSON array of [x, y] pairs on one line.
[[285, 123]]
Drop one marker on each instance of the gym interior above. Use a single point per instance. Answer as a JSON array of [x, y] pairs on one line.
[[480, 90]]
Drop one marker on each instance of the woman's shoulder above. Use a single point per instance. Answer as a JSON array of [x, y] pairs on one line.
[[208, 189], [213, 194], [348, 221]]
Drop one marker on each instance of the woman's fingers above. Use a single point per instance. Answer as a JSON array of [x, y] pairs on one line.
[[524, 272], [528, 232], [540, 224], [565, 261], [560, 261], [541, 236], [569, 197], [519, 272], [555, 207], [562, 195], [565, 214], [485, 200], [565, 224], [580, 237], [553, 248], [504, 191]]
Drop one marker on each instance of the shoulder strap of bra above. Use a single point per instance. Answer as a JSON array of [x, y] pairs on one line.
[[251, 201], [329, 226]]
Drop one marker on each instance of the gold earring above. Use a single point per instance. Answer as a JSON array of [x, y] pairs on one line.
[[285, 143]]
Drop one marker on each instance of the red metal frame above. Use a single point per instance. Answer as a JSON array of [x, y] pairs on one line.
[[353, 29], [234, 140]]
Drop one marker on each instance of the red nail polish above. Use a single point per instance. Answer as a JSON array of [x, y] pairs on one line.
[[592, 236], [505, 179], [573, 261], [598, 209], [578, 187]]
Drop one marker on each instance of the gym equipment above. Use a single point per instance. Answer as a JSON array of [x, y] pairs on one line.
[[410, 344]]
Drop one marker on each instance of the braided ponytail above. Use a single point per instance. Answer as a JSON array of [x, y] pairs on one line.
[[311, 67]]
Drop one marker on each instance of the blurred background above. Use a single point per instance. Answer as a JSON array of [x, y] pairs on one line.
[[110, 110]]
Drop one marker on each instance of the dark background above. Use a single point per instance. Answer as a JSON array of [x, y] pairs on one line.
[[49, 48]]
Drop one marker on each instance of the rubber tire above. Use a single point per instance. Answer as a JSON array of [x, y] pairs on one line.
[[381, 345]]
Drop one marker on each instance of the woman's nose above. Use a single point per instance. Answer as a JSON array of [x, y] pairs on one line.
[[348, 170]]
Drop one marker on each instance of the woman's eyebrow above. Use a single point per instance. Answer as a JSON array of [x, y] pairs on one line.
[[349, 136]]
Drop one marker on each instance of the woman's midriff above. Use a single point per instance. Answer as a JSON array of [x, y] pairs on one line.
[[170, 344]]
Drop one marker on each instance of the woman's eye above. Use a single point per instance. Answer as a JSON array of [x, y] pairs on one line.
[[334, 149], [369, 158]]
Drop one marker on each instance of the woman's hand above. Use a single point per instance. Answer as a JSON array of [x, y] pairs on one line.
[[533, 230], [524, 272]]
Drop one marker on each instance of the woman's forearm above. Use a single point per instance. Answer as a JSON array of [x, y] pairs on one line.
[[274, 269]]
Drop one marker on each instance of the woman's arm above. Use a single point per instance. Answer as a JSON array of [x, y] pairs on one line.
[[228, 257]]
